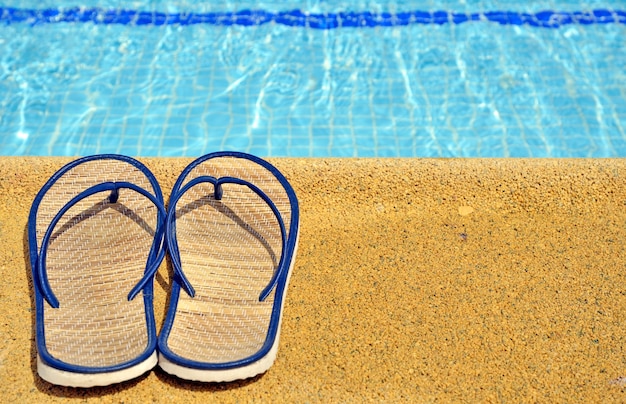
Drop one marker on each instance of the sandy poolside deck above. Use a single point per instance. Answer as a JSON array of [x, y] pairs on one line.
[[424, 279]]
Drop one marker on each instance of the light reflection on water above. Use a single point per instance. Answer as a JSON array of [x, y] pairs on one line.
[[472, 89]]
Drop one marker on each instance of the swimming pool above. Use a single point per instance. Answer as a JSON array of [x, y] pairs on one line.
[[308, 78]]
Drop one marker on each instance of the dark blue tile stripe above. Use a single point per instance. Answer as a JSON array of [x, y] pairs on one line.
[[297, 18]]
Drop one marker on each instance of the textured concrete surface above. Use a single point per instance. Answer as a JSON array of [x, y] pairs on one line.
[[450, 280]]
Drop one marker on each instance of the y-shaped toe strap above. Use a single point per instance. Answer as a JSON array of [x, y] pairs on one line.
[[155, 257], [218, 193]]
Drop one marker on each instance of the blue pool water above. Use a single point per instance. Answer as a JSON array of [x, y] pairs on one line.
[[309, 78]]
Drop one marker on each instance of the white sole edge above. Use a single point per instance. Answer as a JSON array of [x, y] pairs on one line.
[[243, 372], [73, 379], [219, 376]]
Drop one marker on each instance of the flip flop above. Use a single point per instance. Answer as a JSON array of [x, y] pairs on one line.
[[231, 231], [95, 235]]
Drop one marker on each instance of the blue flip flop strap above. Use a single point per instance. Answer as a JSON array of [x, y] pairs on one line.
[[218, 193], [114, 187]]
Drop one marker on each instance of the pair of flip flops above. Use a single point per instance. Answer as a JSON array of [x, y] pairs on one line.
[[98, 231]]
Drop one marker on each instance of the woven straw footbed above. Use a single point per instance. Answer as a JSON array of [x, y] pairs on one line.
[[97, 253], [229, 251]]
